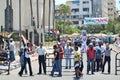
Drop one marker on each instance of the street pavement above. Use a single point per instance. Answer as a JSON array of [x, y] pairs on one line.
[[67, 74]]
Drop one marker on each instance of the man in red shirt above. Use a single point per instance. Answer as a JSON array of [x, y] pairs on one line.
[[90, 58], [61, 51]]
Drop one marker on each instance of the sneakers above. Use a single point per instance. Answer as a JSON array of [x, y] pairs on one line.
[[20, 74], [38, 73], [59, 76], [31, 75]]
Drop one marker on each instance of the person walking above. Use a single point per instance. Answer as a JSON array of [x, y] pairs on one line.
[[26, 60], [68, 50], [20, 53], [107, 58], [80, 49], [41, 58], [90, 58], [77, 59], [56, 62]]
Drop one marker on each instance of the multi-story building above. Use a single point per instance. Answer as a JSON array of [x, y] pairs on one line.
[[111, 8], [89, 8], [79, 10]]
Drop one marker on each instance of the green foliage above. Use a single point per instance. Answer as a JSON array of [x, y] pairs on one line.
[[59, 24], [72, 29], [64, 11], [113, 27], [49, 38], [15, 36]]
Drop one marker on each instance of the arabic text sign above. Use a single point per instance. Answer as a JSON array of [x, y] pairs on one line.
[[103, 20]]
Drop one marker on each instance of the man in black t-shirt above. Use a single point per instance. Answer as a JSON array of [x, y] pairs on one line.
[[56, 62]]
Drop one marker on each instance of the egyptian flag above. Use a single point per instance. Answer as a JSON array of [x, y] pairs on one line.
[[24, 40]]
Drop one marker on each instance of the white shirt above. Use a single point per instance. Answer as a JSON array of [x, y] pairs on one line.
[[41, 51], [11, 47]]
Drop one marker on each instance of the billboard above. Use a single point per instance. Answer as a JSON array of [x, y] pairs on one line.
[[103, 20]]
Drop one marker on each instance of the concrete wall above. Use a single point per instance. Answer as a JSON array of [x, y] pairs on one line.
[[25, 13]]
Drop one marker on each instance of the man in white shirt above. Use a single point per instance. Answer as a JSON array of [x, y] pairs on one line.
[[41, 58], [11, 49]]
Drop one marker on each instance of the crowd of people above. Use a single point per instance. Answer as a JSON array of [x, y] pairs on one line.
[[97, 53]]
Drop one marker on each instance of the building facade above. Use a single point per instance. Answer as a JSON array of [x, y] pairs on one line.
[[79, 10], [37, 12], [26, 12], [89, 8]]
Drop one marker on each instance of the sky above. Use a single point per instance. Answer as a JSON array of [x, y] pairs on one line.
[[57, 2], [118, 4]]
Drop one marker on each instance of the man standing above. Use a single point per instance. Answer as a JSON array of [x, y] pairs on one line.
[[11, 49], [41, 58], [56, 62], [107, 58], [68, 51], [61, 51], [98, 55], [26, 55], [90, 58]]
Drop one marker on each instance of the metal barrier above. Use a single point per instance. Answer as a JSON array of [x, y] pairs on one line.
[[50, 64], [117, 63]]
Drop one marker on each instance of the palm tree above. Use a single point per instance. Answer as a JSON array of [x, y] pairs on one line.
[[64, 11], [68, 23]]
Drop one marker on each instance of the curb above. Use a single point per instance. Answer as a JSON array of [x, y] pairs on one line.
[[16, 66]]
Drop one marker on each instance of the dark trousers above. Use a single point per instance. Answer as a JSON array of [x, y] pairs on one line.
[[42, 61], [27, 60], [98, 64], [82, 66], [106, 59], [90, 65]]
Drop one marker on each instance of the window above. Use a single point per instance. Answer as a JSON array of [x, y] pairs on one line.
[[85, 2], [75, 22], [68, 16], [75, 10], [85, 16], [75, 17], [86, 9]]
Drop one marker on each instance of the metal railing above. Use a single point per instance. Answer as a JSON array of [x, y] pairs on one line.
[[50, 64], [117, 62]]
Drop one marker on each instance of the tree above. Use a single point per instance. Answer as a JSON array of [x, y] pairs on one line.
[[58, 25], [111, 26], [64, 11], [68, 23]]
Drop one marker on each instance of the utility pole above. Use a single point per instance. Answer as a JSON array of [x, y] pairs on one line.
[[31, 12], [49, 15], [20, 21], [53, 15], [43, 26]]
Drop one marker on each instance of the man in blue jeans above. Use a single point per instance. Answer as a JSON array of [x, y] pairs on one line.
[[90, 58], [56, 62]]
